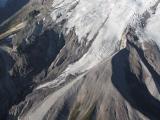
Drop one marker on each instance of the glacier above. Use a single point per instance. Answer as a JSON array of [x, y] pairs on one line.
[[108, 20]]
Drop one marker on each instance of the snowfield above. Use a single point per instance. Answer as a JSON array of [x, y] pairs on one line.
[[104, 22]]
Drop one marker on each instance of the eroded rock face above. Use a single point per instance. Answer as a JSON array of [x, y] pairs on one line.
[[85, 60]]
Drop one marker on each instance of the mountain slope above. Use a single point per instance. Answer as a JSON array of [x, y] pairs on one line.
[[89, 60]]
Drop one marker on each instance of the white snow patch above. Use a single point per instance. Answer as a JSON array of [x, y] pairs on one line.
[[106, 18], [153, 27]]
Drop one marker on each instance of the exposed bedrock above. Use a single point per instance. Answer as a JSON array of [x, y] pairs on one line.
[[24, 68]]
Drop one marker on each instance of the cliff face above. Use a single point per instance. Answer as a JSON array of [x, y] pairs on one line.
[[82, 60]]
